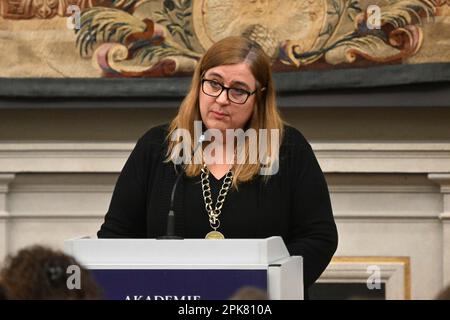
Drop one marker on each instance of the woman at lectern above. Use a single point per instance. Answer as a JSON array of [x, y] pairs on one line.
[[227, 166]]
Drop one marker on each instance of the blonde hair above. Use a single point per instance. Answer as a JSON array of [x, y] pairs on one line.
[[232, 50]]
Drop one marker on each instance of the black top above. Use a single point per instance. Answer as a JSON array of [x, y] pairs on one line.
[[293, 204], [239, 214]]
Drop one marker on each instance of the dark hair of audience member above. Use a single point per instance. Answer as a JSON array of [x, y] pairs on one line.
[[2, 293], [40, 273]]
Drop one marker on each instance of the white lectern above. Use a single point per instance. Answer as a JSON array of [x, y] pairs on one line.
[[190, 268]]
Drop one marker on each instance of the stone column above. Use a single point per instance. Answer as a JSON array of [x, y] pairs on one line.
[[444, 182], [5, 180]]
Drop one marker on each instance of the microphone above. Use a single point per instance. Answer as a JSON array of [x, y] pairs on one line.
[[170, 232]]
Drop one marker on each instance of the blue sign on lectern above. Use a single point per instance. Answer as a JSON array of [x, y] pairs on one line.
[[176, 284]]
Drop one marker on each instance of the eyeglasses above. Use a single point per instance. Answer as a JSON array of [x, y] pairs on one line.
[[213, 88]]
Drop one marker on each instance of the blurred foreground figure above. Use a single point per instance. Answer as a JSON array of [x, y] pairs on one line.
[[249, 293], [444, 294], [40, 273]]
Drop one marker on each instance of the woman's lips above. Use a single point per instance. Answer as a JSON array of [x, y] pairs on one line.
[[218, 115]]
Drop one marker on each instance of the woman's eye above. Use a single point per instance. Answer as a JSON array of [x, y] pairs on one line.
[[215, 85], [237, 92]]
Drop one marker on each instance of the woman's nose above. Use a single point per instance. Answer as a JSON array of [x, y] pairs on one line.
[[223, 97]]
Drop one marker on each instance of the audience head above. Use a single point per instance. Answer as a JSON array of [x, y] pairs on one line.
[[38, 273], [249, 293], [444, 294]]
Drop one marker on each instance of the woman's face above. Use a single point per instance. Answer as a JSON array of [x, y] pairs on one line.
[[221, 113]]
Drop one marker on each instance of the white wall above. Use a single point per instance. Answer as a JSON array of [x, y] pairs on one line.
[[390, 191]]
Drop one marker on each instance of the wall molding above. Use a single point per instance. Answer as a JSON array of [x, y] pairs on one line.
[[443, 180], [63, 157], [395, 272], [5, 180], [57, 188], [382, 189], [333, 157]]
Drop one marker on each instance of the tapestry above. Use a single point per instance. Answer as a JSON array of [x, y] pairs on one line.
[[312, 43]]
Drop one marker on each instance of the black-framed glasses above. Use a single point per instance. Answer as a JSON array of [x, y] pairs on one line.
[[213, 88]]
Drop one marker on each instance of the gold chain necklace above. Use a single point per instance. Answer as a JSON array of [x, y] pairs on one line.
[[213, 214]]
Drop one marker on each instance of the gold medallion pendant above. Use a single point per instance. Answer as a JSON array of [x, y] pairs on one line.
[[214, 235]]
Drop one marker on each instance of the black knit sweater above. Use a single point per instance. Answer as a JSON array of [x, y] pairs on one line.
[[293, 204]]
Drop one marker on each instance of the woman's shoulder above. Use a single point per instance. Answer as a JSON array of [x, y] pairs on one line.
[[155, 135], [295, 152], [153, 141], [293, 138]]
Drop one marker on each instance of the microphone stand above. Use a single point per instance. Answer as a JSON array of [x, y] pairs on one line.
[[170, 231]]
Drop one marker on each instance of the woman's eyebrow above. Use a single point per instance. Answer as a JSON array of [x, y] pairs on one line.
[[240, 83], [213, 74]]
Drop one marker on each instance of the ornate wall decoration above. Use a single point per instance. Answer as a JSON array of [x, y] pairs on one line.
[[43, 9], [153, 38], [294, 33]]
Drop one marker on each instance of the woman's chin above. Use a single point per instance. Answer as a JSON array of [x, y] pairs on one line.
[[217, 124]]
